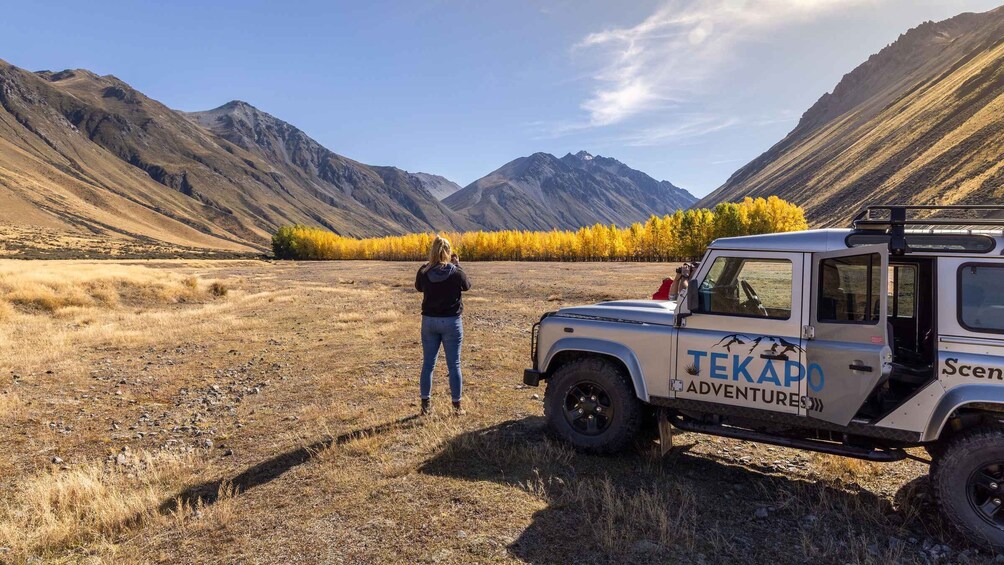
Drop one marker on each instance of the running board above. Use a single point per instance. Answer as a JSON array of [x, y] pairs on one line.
[[883, 456]]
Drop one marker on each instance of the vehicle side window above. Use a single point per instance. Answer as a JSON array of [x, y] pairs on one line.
[[849, 289], [741, 286], [902, 291], [981, 297]]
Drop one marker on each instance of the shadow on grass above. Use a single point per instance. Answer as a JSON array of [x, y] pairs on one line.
[[271, 469], [684, 508]]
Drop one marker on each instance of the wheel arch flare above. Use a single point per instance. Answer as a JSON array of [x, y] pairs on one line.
[[565, 349]]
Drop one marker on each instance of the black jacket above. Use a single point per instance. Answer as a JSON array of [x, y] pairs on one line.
[[441, 286]]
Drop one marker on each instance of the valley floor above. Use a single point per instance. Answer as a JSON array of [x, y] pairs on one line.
[[244, 411]]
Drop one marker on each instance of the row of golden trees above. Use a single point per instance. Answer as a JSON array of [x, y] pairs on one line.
[[684, 234]]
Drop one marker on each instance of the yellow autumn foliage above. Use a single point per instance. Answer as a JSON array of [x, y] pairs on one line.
[[684, 234]]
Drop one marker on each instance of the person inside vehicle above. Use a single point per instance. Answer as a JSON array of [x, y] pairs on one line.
[[441, 282], [682, 280], [670, 288]]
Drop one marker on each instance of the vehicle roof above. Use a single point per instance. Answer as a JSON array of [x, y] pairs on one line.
[[801, 241], [822, 240]]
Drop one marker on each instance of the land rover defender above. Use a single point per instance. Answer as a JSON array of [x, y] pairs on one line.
[[859, 342]]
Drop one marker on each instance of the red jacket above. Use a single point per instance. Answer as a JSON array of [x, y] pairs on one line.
[[663, 292]]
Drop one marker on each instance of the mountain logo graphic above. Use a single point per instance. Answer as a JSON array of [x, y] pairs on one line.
[[778, 345]]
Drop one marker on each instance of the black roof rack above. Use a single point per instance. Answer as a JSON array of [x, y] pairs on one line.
[[894, 218]]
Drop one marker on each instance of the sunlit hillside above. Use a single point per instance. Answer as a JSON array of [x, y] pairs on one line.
[[920, 122]]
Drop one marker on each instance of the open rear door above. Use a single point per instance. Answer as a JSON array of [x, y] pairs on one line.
[[848, 352]]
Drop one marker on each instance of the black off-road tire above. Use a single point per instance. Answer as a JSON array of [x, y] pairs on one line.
[[597, 374], [960, 461], [935, 451]]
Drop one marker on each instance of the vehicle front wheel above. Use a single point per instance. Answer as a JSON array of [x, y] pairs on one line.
[[591, 404], [969, 482]]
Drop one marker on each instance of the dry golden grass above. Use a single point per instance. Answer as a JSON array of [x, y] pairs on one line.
[[10, 403], [620, 518], [51, 286], [845, 468], [95, 302], [60, 509], [306, 388]]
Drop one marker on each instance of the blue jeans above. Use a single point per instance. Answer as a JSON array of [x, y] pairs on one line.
[[448, 332]]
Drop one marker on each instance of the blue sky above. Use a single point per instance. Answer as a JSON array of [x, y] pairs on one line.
[[685, 90]]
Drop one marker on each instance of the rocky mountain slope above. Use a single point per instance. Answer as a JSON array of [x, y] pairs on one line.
[[922, 121], [393, 200], [541, 192], [438, 186], [88, 154]]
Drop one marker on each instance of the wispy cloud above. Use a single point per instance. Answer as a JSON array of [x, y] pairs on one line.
[[663, 62], [679, 126], [682, 126]]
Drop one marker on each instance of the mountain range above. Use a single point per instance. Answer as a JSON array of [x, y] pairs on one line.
[[920, 122], [88, 154], [544, 192], [438, 186]]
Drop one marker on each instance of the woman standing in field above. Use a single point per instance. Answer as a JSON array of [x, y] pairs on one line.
[[441, 282]]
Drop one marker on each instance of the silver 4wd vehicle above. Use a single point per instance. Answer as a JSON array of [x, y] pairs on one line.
[[860, 343]]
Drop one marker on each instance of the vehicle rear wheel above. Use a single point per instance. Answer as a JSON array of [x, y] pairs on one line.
[[968, 479], [591, 404]]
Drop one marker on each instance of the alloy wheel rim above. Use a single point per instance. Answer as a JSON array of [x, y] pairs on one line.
[[588, 408], [985, 492]]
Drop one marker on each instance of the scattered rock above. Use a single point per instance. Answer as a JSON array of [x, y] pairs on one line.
[[207, 443], [761, 513], [535, 397], [939, 551], [228, 453], [57, 460]]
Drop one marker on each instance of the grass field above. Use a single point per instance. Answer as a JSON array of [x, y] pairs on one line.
[[201, 411]]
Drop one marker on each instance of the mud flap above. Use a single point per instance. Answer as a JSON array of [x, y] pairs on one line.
[[665, 431]]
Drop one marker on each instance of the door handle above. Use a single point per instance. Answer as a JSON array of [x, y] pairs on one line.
[[773, 357], [865, 368]]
